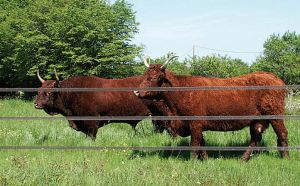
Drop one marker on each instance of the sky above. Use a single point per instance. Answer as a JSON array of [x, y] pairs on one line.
[[239, 27]]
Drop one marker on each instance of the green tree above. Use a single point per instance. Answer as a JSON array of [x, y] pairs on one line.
[[281, 56], [76, 37], [176, 66], [218, 66]]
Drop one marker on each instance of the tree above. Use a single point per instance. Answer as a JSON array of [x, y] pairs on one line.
[[218, 66], [76, 37], [176, 66], [281, 56]]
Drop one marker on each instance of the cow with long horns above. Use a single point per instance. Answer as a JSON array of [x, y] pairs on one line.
[[92, 103], [219, 103]]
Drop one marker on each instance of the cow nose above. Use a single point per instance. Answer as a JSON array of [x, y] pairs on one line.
[[136, 92], [37, 106]]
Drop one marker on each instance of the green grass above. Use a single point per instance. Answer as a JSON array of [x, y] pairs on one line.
[[125, 167], [293, 105]]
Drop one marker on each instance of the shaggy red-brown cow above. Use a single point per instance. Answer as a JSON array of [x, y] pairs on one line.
[[92, 103], [219, 103]]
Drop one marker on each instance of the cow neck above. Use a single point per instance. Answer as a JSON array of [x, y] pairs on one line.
[[62, 106], [171, 80], [176, 127]]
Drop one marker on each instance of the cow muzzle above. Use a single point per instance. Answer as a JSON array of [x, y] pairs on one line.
[[38, 106], [137, 93], [142, 94]]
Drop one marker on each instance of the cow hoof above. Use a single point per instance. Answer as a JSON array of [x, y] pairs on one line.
[[246, 158], [285, 155], [204, 156]]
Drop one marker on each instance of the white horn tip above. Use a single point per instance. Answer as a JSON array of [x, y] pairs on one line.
[[146, 62]]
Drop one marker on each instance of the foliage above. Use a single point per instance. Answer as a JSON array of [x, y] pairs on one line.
[[281, 56], [218, 66], [176, 66], [76, 37], [179, 67]]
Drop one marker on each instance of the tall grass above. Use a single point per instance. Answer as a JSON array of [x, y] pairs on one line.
[[125, 167], [292, 104]]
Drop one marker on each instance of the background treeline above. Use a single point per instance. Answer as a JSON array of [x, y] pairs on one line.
[[281, 56], [76, 37], [93, 37]]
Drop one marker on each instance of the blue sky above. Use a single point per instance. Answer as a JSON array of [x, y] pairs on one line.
[[231, 25]]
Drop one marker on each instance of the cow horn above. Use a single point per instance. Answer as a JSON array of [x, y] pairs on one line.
[[146, 62], [38, 75], [168, 61], [56, 76]]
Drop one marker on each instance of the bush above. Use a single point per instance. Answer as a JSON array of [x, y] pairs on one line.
[[281, 56], [218, 66], [76, 37]]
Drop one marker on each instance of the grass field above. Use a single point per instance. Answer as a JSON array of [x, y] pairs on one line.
[[125, 167]]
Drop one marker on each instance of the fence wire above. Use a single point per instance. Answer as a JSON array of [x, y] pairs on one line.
[[156, 118], [128, 89], [150, 148]]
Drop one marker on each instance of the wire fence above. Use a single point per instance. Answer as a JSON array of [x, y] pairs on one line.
[[155, 118], [166, 118], [129, 89], [149, 148]]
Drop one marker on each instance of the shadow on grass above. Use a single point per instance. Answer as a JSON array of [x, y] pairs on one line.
[[185, 155], [233, 154], [179, 154]]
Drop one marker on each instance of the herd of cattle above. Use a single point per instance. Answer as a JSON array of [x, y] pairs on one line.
[[240, 102]]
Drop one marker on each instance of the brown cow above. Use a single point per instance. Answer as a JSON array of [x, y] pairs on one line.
[[219, 103], [92, 103]]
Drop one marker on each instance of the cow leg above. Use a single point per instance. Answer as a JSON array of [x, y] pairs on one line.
[[282, 136], [91, 128], [256, 136], [197, 140], [159, 126], [203, 153], [133, 125]]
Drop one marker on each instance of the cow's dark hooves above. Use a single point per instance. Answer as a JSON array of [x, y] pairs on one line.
[[245, 159], [287, 157], [93, 137]]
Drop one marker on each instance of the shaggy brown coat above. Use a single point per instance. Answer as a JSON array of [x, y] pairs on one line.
[[93, 103], [219, 103]]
